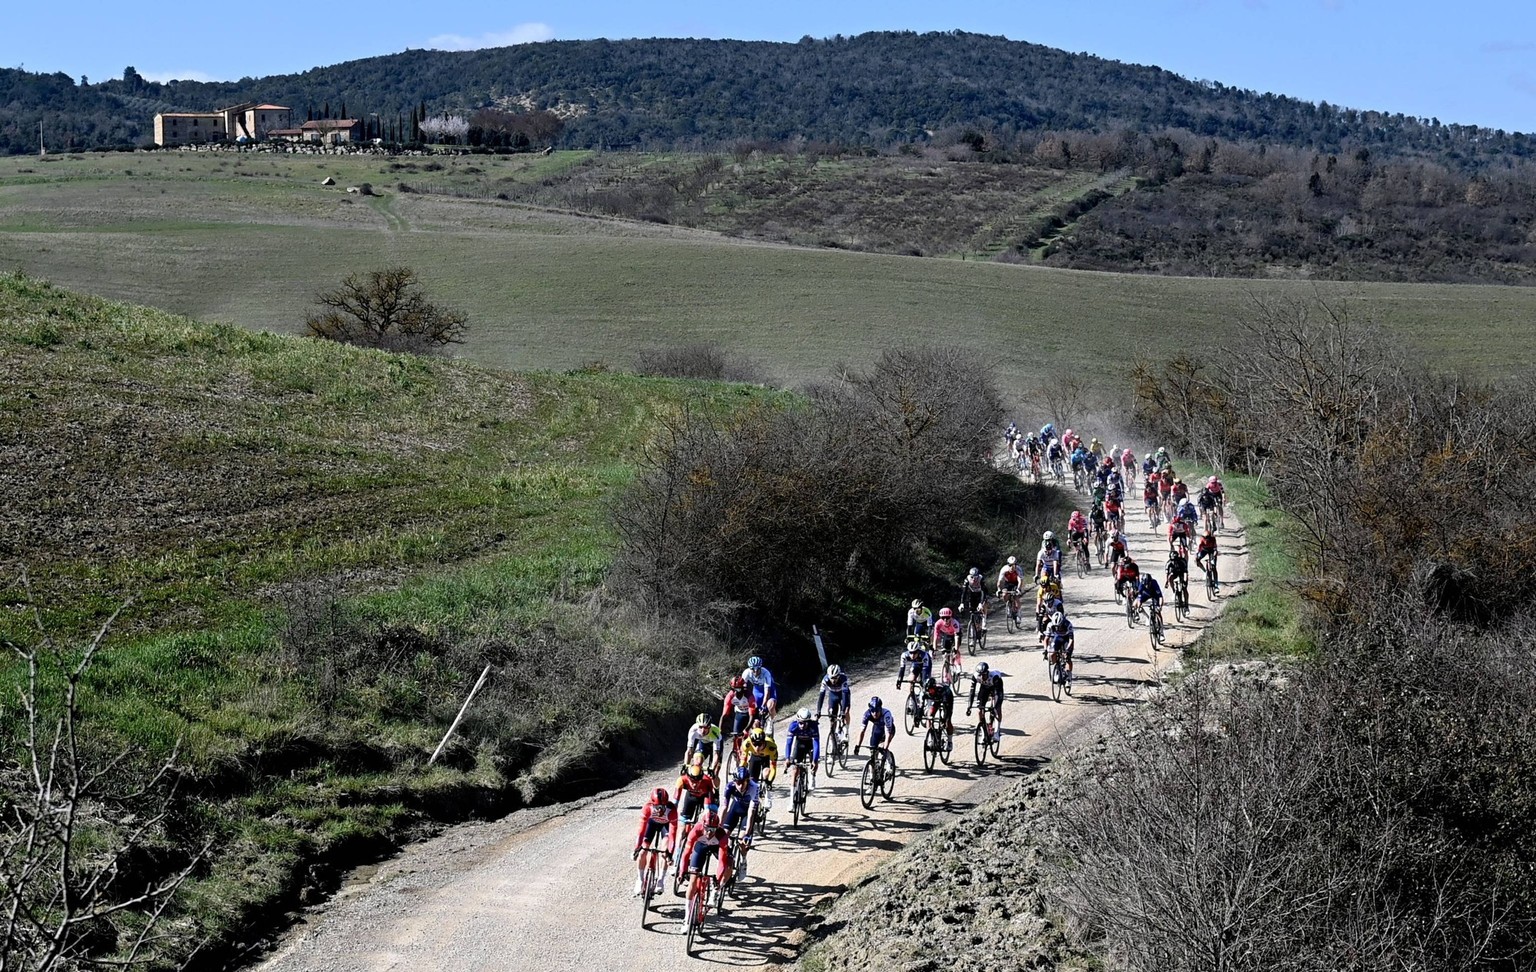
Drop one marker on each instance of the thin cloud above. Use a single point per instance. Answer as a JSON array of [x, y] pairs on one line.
[[1508, 47], [164, 76], [530, 33]]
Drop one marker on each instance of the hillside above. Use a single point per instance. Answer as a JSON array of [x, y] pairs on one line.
[[872, 89], [323, 546]]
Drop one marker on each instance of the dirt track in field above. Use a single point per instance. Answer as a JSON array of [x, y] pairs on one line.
[[550, 888]]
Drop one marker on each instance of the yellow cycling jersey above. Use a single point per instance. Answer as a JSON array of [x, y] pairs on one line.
[[767, 749]]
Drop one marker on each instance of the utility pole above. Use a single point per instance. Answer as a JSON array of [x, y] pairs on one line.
[[42, 149]]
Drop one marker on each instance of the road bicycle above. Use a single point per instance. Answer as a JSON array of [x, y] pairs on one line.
[[739, 847], [1132, 609], [732, 750], [1154, 514], [1180, 588], [1155, 625], [1079, 478], [650, 862], [1011, 608], [1212, 582], [1080, 548], [879, 776], [976, 628], [837, 744], [799, 789], [679, 866], [986, 739], [1034, 469], [912, 711], [938, 742], [757, 810], [704, 892], [1100, 542], [1056, 671]]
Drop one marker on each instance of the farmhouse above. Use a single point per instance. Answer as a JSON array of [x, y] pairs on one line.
[[250, 121], [332, 131]]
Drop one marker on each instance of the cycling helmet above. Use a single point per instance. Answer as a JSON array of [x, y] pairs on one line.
[[661, 795], [946, 613], [1069, 431], [975, 572], [743, 774], [931, 684], [1049, 535], [982, 669], [917, 602], [754, 663], [875, 703], [695, 769], [702, 719], [1162, 450], [833, 671], [1058, 619], [738, 683], [1149, 455], [1012, 561], [803, 714], [711, 818], [757, 734]]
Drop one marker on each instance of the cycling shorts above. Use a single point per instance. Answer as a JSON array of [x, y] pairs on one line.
[[756, 765], [654, 831], [800, 747]]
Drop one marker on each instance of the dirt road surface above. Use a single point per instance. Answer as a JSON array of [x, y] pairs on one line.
[[550, 889]]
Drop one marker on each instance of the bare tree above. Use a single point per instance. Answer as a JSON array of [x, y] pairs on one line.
[[71, 894], [385, 309]]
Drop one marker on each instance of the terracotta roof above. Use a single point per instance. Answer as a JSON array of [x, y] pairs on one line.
[[271, 108], [285, 131], [190, 114], [332, 123], [240, 107]]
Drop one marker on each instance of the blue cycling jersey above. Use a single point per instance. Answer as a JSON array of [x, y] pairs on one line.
[[807, 729]]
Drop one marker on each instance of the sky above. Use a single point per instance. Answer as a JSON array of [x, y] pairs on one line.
[[1472, 62]]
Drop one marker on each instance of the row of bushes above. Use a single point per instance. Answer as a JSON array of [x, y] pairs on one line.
[[1371, 806]]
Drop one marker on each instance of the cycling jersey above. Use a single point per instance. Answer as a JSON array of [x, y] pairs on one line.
[[1148, 588], [946, 631], [1207, 546], [802, 736], [704, 840], [738, 712], [1008, 578], [988, 690], [882, 725], [920, 661], [701, 788], [654, 819], [835, 695], [1077, 523], [761, 684]]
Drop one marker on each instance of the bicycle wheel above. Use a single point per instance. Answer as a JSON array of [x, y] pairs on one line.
[[693, 916], [1130, 611], [888, 774], [649, 891], [797, 802], [996, 742], [1210, 583], [833, 752], [1057, 677], [1013, 620], [932, 740], [980, 743], [913, 713], [1155, 631], [947, 747], [868, 785]]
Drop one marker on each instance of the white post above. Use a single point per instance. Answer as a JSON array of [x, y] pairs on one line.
[[456, 719], [820, 650]]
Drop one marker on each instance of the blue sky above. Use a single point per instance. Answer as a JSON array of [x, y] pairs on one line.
[[1472, 62]]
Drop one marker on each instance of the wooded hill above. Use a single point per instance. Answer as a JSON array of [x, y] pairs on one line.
[[876, 89]]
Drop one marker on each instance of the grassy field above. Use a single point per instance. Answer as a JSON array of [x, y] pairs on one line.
[[249, 241], [324, 545]]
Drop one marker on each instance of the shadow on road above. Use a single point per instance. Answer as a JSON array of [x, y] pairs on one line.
[[758, 924]]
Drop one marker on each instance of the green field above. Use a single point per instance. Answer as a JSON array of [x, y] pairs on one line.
[[248, 240]]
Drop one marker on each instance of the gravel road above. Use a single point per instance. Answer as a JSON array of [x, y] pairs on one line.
[[549, 889]]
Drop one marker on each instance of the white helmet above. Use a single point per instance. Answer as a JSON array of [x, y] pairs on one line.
[[917, 602], [1058, 619], [1012, 561], [804, 714], [1049, 535], [834, 671]]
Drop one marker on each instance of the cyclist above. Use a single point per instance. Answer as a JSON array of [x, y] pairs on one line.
[[740, 793], [1011, 434], [1095, 448], [1009, 579], [1077, 528], [1149, 494], [1148, 466], [1059, 636], [877, 715], [942, 698], [763, 689], [705, 838], [695, 789], [1205, 554], [1049, 557], [802, 741], [704, 740], [987, 692], [740, 709], [1055, 453], [1128, 467], [1126, 576], [918, 619], [1117, 547], [1113, 513], [1048, 590], [946, 635], [1149, 594], [761, 753], [918, 659], [1179, 491], [1178, 568], [973, 591], [1048, 432], [1182, 526], [1096, 519], [1050, 607], [1209, 500], [835, 695], [1162, 460], [1071, 440], [1081, 461], [657, 817]]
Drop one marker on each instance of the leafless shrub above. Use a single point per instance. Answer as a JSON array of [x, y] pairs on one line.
[[1313, 822], [87, 868], [385, 309], [707, 360]]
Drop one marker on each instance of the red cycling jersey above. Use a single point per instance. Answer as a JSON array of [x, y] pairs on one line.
[[658, 814]]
